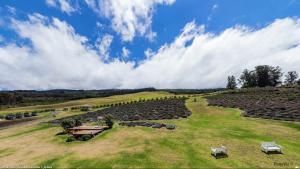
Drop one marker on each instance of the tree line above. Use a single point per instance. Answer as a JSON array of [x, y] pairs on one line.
[[32, 97], [263, 76]]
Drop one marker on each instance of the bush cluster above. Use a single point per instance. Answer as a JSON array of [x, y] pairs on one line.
[[67, 124], [133, 101], [150, 110], [278, 103], [19, 115], [109, 121]]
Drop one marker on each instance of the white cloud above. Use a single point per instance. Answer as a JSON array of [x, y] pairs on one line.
[[130, 18], [125, 52], [51, 3], [213, 10], [103, 45], [64, 5], [210, 58], [58, 57], [215, 6], [149, 53], [99, 25], [12, 10]]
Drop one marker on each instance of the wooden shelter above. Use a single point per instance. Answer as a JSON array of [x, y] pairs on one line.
[[86, 130]]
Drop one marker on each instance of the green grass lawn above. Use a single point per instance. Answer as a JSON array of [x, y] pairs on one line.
[[138, 147]]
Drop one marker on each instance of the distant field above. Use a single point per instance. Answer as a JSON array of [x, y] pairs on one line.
[[92, 101], [35, 144]]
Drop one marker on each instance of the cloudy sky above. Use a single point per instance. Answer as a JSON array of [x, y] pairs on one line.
[[100, 44]]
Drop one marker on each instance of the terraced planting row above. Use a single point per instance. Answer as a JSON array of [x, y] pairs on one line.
[[167, 108], [148, 124], [268, 103]]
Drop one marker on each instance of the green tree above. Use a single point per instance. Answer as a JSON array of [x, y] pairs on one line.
[[248, 79], [231, 82], [275, 76], [261, 76], [77, 123], [291, 78], [109, 121], [66, 124]]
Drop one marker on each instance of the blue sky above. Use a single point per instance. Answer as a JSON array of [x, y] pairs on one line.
[[156, 27]]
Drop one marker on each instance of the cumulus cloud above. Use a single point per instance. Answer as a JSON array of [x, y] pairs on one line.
[[203, 60], [149, 53], [129, 17], [125, 52], [58, 57], [64, 5], [103, 45]]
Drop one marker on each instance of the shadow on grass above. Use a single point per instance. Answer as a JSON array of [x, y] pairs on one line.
[[34, 129], [220, 156], [273, 153]]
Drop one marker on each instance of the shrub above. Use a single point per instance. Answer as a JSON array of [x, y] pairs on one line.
[[85, 137], [10, 117], [34, 113], [66, 124], [84, 109], [108, 121], [291, 98], [2, 117], [170, 126], [19, 115], [77, 123], [26, 114], [71, 139]]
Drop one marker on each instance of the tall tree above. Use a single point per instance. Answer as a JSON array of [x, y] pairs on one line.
[[261, 76], [275, 76], [291, 78], [248, 79], [231, 82]]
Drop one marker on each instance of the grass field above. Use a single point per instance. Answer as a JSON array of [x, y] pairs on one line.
[[35, 144]]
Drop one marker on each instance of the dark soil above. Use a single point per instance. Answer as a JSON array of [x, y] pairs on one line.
[[268, 103], [167, 108]]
